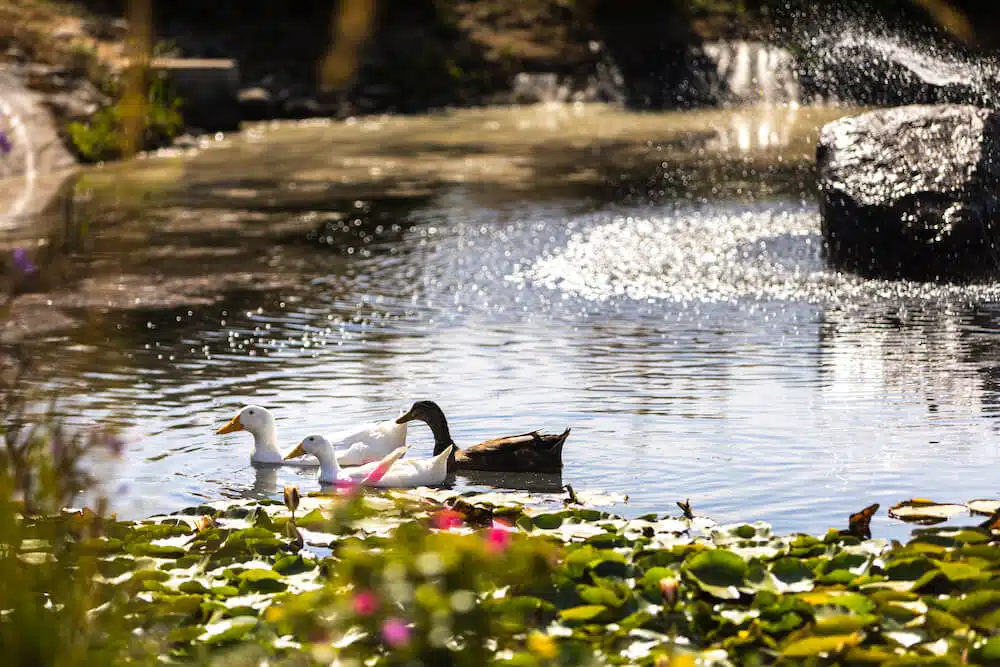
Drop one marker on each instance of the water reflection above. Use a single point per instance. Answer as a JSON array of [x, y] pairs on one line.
[[517, 481], [764, 129], [265, 482]]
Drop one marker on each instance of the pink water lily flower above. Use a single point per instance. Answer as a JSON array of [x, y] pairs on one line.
[[365, 603], [395, 632], [447, 519], [497, 539]]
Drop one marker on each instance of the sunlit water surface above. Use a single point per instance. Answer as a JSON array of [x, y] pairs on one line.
[[698, 348]]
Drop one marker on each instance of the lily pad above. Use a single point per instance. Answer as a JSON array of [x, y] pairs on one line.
[[156, 550], [587, 613], [909, 569], [149, 575], [985, 507], [855, 602], [924, 511], [549, 521], [194, 587], [808, 647], [293, 564], [313, 520], [791, 570], [718, 572], [228, 630], [843, 624], [259, 579]]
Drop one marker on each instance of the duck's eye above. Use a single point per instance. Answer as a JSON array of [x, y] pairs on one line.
[[250, 413]]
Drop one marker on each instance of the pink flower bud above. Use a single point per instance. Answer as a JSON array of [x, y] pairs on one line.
[[668, 591]]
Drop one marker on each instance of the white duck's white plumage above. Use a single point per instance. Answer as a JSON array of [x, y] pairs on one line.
[[389, 472], [366, 444]]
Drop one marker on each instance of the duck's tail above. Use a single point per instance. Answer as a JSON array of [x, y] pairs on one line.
[[558, 443], [441, 460], [439, 464]]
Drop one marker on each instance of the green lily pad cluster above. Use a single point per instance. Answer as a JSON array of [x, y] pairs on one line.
[[445, 579]]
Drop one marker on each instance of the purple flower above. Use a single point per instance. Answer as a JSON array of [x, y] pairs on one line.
[[23, 262], [5, 144], [395, 632], [110, 440], [115, 445]]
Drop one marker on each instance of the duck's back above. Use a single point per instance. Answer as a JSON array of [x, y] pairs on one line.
[[526, 452]]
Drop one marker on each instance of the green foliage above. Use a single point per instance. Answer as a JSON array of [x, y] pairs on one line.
[[54, 610], [103, 136], [376, 582]]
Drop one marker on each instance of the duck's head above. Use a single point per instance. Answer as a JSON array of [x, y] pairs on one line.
[[425, 411], [313, 445], [252, 418]]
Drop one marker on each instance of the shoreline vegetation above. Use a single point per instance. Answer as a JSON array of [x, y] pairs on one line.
[[361, 57]]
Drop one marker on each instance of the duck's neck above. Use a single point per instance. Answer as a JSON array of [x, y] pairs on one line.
[[265, 445], [329, 469], [439, 427]]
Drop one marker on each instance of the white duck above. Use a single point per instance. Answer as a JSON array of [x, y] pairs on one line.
[[398, 474], [369, 443]]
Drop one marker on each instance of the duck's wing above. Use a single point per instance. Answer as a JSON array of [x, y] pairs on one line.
[[358, 454], [525, 451], [349, 436], [368, 443]]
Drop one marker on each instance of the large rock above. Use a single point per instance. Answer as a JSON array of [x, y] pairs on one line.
[[35, 167], [912, 192]]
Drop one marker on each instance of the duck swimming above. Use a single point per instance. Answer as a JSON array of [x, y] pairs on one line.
[[527, 452], [389, 472], [366, 444]]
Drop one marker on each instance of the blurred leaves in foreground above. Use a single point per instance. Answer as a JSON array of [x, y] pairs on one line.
[[437, 578]]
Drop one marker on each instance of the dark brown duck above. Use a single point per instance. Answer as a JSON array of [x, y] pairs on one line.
[[526, 452]]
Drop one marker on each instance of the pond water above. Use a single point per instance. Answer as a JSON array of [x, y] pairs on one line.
[[666, 298]]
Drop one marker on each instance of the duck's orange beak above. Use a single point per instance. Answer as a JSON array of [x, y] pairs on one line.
[[295, 453], [233, 426]]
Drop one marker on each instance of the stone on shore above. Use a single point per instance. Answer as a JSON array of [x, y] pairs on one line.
[[35, 166]]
